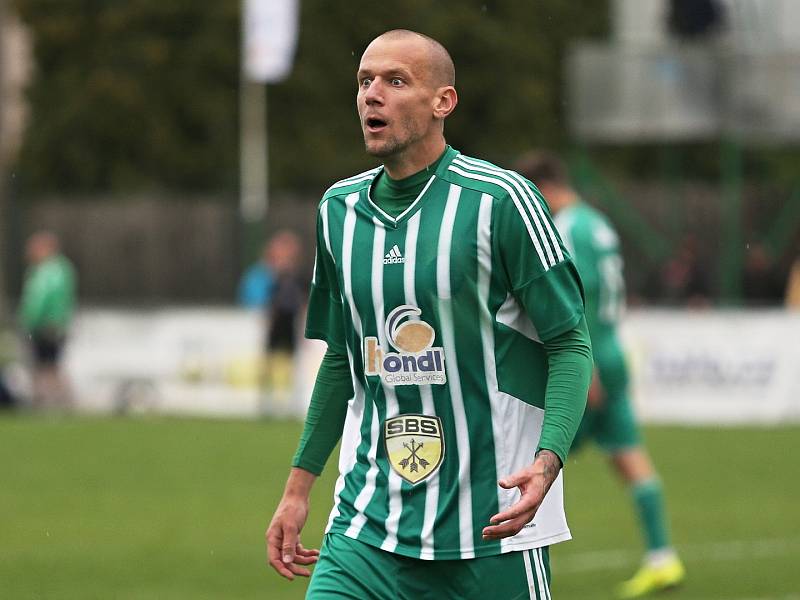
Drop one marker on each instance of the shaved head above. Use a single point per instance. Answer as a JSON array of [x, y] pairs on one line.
[[405, 92], [440, 67]]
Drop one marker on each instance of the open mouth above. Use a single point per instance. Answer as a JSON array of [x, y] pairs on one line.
[[375, 124]]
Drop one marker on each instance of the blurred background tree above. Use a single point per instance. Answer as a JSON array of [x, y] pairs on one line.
[[131, 95], [143, 94], [138, 102]]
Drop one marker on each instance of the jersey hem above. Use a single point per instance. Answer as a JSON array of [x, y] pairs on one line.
[[556, 538], [454, 553]]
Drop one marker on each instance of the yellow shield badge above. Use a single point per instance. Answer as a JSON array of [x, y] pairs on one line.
[[414, 445]]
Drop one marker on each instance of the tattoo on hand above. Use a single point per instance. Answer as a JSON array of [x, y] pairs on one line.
[[550, 464]]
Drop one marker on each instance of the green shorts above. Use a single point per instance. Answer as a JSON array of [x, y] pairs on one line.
[[353, 570], [612, 425]]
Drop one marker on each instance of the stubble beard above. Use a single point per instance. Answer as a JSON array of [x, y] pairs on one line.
[[393, 145], [384, 149]]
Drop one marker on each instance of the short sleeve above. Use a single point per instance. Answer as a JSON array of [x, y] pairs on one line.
[[325, 319], [540, 272]]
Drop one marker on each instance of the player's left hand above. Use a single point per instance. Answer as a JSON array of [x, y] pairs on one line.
[[533, 482]]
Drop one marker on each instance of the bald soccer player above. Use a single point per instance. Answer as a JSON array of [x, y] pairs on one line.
[[457, 367]]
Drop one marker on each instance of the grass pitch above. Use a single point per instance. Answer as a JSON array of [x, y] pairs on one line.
[[169, 508]]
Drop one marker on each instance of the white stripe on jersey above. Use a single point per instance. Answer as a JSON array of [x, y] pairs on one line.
[[451, 366], [496, 404], [325, 231], [351, 438], [365, 495], [347, 259], [314, 272], [428, 407], [395, 501], [354, 179], [530, 199], [512, 315], [515, 199], [351, 434], [323, 215]]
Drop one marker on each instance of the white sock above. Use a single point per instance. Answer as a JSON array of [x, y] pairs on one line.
[[660, 557]]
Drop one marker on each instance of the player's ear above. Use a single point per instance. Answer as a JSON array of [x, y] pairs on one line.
[[445, 102]]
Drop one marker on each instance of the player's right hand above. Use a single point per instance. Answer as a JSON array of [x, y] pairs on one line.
[[285, 553]]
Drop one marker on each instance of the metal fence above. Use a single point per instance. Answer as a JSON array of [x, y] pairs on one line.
[[154, 250]]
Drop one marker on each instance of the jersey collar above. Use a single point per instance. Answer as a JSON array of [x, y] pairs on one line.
[[394, 222]]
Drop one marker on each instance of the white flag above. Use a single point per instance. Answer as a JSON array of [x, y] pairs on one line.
[[270, 37]]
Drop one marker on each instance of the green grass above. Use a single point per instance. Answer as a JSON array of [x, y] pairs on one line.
[[168, 508]]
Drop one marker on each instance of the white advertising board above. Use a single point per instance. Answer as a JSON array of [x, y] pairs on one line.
[[202, 361], [709, 367], [715, 367]]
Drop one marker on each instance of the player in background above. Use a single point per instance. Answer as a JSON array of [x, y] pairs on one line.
[[45, 311], [457, 367], [609, 419]]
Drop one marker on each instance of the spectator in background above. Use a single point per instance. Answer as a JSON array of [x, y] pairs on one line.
[[683, 280], [255, 286], [609, 419], [286, 304], [46, 308], [762, 284]]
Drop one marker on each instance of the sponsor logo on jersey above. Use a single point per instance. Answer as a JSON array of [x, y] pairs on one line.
[[416, 362], [394, 256], [414, 445]]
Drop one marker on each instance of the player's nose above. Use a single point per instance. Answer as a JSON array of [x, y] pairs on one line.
[[373, 94]]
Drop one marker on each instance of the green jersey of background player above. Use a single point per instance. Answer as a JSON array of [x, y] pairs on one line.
[[458, 360], [609, 420]]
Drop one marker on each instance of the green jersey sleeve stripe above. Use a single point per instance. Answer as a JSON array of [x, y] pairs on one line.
[[478, 177], [532, 202]]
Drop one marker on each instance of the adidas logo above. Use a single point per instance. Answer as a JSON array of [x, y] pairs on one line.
[[394, 256]]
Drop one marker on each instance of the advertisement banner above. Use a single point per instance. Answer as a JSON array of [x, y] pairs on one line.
[[710, 368], [714, 367], [198, 361]]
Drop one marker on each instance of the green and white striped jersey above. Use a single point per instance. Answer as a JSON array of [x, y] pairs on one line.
[[442, 312]]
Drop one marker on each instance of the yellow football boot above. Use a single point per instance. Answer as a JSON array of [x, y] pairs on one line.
[[650, 579]]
